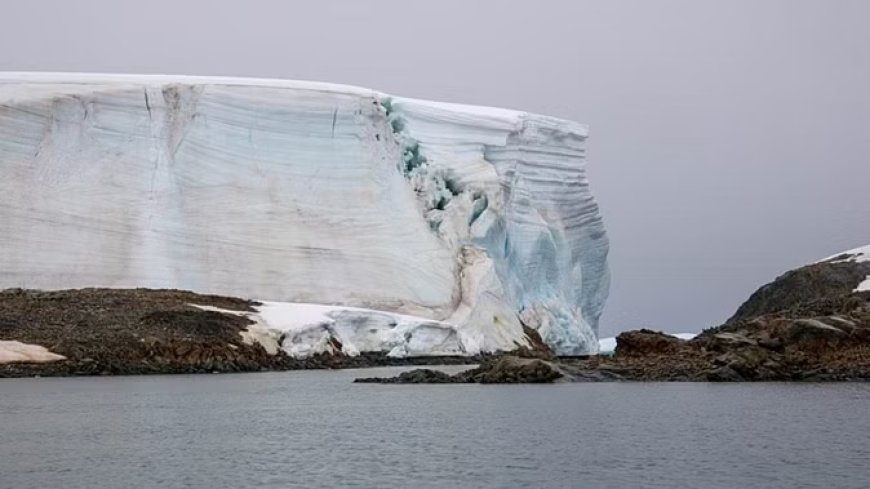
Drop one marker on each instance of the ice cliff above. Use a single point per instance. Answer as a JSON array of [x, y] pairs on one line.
[[477, 220]]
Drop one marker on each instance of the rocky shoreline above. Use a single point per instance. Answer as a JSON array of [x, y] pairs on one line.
[[768, 348], [811, 324], [144, 331]]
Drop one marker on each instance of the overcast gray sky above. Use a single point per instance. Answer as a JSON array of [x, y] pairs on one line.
[[730, 140]]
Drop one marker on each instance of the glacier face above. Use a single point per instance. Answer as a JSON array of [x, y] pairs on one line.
[[303, 192]]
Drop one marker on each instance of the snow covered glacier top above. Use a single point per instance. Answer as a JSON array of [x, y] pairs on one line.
[[476, 220]]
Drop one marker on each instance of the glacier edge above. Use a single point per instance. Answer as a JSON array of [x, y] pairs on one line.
[[303, 192]]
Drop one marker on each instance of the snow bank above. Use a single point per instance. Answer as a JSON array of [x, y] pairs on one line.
[[15, 351], [606, 346], [303, 330]]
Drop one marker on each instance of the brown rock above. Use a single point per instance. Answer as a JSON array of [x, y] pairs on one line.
[[724, 374], [510, 369], [728, 341], [646, 342], [812, 334], [131, 331], [745, 361], [815, 282]]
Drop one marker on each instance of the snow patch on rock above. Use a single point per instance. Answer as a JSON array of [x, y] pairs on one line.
[[857, 255], [17, 352], [303, 330]]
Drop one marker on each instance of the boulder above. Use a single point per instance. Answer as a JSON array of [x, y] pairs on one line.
[[745, 361], [728, 341], [417, 376], [724, 374], [513, 370], [602, 373], [812, 334], [775, 344], [646, 342], [860, 335], [839, 322], [536, 347]]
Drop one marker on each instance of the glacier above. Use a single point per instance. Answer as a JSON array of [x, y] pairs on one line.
[[473, 221]]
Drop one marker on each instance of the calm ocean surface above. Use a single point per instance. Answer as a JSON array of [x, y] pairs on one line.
[[317, 429]]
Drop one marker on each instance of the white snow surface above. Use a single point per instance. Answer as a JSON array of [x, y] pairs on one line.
[[15, 351], [857, 255], [303, 330], [607, 346], [303, 192]]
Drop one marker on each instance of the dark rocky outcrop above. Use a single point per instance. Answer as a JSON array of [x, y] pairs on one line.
[[809, 324], [536, 347], [417, 376], [646, 342], [506, 369], [811, 283], [510, 369]]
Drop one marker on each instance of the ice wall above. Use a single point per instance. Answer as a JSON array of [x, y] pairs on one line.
[[302, 192]]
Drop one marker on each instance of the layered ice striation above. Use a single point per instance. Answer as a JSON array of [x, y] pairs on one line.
[[471, 218]]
